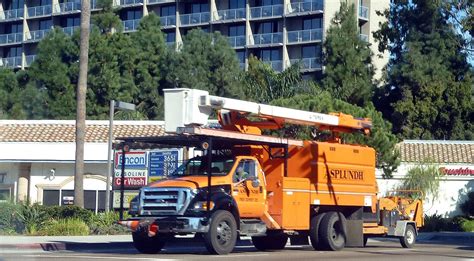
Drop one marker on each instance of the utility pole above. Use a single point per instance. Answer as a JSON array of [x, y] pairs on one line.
[[81, 93]]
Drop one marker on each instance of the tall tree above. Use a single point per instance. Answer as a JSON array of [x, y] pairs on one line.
[[430, 83], [348, 74], [207, 62], [81, 104], [11, 98]]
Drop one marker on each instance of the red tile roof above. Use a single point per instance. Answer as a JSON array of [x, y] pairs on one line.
[[437, 151], [64, 131]]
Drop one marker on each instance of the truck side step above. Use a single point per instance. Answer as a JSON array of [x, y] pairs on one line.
[[252, 227]]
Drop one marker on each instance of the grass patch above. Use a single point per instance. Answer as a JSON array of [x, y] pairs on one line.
[[65, 227]]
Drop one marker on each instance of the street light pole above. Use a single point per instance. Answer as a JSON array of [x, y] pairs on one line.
[[109, 154]]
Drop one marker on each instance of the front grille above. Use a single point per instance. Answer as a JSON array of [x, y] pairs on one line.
[[164, 201]]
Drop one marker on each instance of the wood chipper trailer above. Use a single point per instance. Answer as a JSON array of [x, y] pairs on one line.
[[270, 188]]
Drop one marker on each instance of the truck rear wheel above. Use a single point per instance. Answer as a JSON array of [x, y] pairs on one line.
[[222, 234], [408, 241], [276, 241], [148, 245], [314, 231], [333, 231]]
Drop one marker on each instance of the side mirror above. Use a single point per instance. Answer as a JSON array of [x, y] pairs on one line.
[[255, 183]]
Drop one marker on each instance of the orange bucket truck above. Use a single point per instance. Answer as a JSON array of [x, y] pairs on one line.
[[241, 182]]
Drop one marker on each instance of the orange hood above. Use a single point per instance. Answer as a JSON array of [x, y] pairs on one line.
[[190, 182]]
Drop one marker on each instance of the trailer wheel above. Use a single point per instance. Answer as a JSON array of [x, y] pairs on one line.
[[148, 245], [222, 234], [333, 231], [408, 241], [314, 231], [275, 241]]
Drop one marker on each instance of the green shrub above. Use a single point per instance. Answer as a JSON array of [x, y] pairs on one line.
[[467, 206], [105, 224], [65, 212], [31, 218], [467, 225], [9, 218], [65, 227], [438, 223]]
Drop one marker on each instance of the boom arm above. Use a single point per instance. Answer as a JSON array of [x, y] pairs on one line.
[[191, 107]]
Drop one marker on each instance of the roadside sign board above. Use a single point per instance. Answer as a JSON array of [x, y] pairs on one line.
[[162, 163], [127, 197], [136, 172], [133, 160]]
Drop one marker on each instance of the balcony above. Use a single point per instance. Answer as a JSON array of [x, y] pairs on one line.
[[168, 21], [195, 18], [30, 59], [268, 11], [11, 62], [305, 36], [364, 12], [68, 7], [42, 10], [130, 2], [277, 65], [11, 15], [237, 41], [130, 25], [364, 37], [14, 38], [305, 7], [231, 15], [268, 39], [308, 64], [70, 30], [36, 36]]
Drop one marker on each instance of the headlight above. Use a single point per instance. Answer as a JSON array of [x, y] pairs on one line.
[[202, 205]]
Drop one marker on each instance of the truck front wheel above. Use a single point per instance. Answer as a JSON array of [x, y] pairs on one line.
[[148, 245], [333, 231], [222, 234], [408, 241]]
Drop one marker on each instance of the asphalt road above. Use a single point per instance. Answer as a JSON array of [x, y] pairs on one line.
[[376, 250]]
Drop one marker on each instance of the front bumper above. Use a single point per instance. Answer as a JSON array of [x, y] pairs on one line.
[[169, 224]]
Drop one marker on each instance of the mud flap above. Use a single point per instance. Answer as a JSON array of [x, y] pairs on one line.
[[354, 234]]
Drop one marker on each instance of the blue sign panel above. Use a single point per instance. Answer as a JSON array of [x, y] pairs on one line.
[[162, 163]]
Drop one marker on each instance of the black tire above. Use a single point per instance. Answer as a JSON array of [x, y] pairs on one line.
[[314, 231], [409, 240], [332, 230], [148, 245], [275, 241], [222, 234]]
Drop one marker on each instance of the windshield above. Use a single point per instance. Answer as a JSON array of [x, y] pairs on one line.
[[197, 166]]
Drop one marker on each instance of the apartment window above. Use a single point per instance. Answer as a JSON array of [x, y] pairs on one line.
[[45, 2], [71, 21], [14, 28], [197, 8], [132, 15], [170, 37], [268, 27], [311, 51], [313, 23], [45, 24], [168, 11], [269, 2], [17, 4], [235, 4], [2, 177], [13, 52], [270, 55], [237, 30], [241, 56]]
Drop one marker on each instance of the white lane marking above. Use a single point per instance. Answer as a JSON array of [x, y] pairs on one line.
[[102, 257], [237, 255]]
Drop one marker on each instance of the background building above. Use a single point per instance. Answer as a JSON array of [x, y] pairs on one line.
[[279, 32]]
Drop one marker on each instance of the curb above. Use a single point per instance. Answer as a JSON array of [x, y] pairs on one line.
[[36, 246]]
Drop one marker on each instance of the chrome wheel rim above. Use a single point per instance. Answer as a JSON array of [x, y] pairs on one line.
[[224, 233], [410, 237]]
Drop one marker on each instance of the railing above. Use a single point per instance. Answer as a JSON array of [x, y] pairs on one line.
[[195, 18], [30, 59], [266, 11], [277, 65], [231, 14], [11, 38], [302, 7], [303, 36], [70, 30], [11, 14], [11, 62], [161, 1], [168, 20], [364, 12], [40, 10], [131, 2], [308, 63], [237, 41], [36, 35], [94, 5], [69, 7], [273, 38], [130, 25]]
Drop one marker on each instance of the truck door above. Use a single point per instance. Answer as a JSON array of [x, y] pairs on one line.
[[249, 189]]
